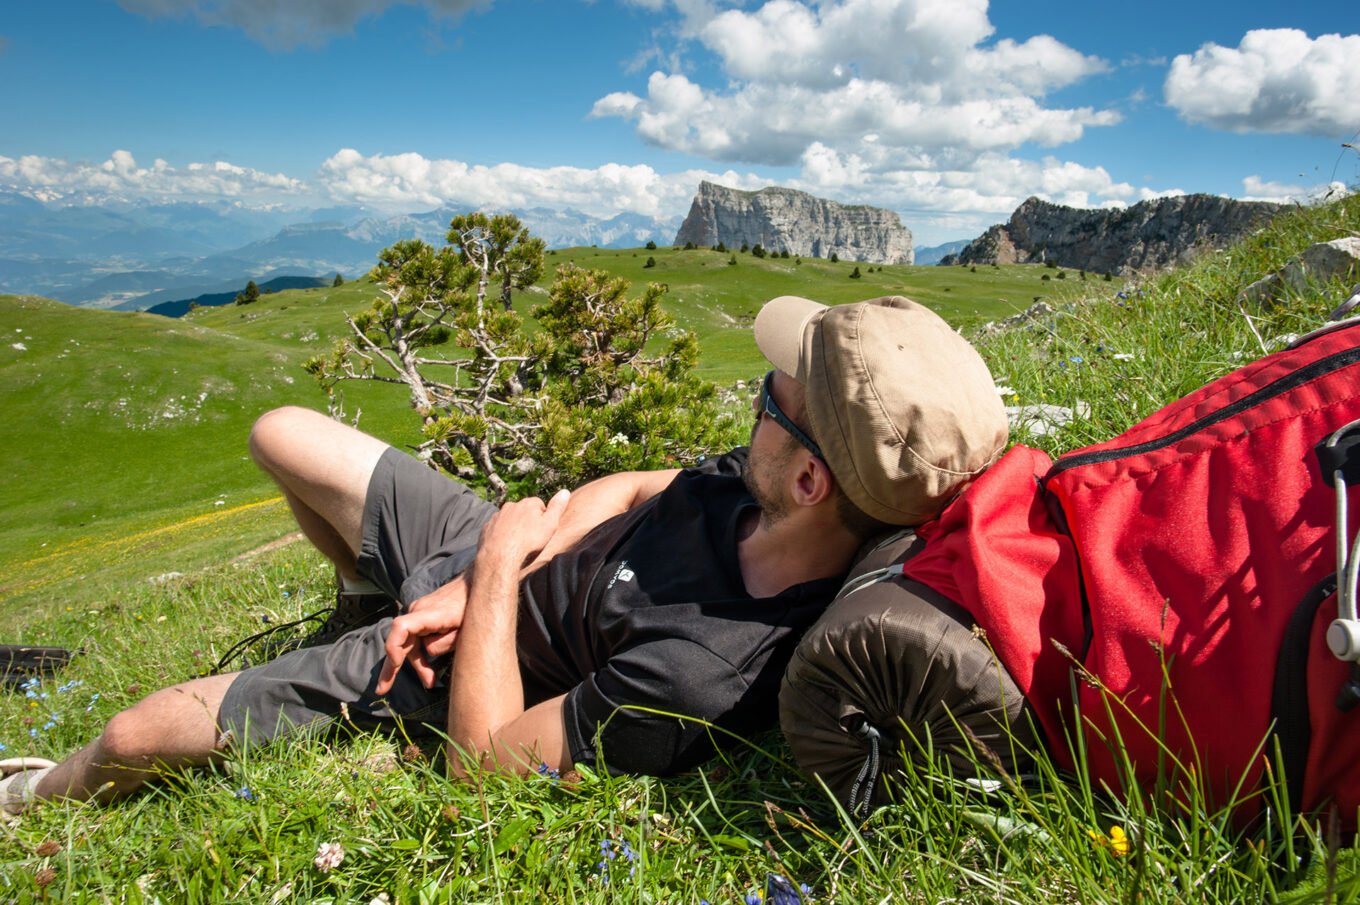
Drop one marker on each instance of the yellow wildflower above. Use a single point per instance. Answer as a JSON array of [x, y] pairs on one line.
[[1116, 843]]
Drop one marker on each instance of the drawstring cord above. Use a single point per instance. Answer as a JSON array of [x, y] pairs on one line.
[[868, 774]]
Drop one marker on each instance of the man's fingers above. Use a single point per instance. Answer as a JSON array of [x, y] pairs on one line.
[[558, 502], [420, 665], [439, 645], [399, 645]]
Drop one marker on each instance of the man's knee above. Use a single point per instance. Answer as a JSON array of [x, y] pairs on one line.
[[275, 430], [129, 739]]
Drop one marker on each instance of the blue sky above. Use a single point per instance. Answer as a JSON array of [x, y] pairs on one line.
[[950, 112]]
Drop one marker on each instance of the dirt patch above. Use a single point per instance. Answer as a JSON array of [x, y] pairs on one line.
[[271, 546]]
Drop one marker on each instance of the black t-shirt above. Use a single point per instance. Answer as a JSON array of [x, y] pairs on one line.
[[649, 613]]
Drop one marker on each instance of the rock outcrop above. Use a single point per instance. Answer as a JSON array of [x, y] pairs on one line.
[[1319, 263], [1147, 236], [796, 222]]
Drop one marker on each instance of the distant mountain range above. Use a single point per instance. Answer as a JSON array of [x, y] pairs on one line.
[[134, 257], [180, 307]]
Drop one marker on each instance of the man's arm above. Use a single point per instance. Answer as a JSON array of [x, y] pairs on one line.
[[588, 507], [486, 697], [594, 503]]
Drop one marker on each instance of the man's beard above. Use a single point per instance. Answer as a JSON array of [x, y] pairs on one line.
[[774, 507]]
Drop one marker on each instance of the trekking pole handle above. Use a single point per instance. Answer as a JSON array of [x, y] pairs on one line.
[[1339, 455], [1343, 637]]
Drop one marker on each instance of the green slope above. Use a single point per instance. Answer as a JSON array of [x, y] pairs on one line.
[[718, 300], [126, 454], [120, 424]]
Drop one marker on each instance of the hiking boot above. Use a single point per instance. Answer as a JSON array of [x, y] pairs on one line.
[[20, 774], [351, 611]]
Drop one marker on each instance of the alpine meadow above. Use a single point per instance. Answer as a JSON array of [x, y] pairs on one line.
[[137, 532]]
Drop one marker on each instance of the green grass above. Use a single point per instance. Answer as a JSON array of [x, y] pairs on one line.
[[118, 497], [126, 423], [719, 301]]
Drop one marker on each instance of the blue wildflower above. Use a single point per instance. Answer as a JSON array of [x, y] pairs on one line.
[[245, 794], [2, 747], [752, 898], [548, 772], [779, 891], [610, 849]]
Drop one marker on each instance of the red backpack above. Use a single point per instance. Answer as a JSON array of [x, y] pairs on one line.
[[1166, 596]]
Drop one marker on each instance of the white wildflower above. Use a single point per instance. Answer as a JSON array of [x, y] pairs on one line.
[[328, 856], [20, 346]]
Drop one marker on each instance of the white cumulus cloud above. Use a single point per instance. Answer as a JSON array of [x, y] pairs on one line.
[[411, 181], [912, 75], [121, 178], [1254, 188], [287, 24], [1275, 80], [948, 199]]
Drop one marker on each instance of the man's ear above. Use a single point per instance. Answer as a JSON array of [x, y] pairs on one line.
[[813, 483]]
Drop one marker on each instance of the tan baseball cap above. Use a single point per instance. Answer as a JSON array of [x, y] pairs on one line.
[[904, 409]]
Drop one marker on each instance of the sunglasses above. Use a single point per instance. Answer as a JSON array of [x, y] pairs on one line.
[[767, 406]]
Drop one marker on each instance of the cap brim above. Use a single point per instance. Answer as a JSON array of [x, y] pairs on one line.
[[779, 332]]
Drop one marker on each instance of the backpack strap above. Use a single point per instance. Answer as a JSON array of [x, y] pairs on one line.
[[1291, 725], [1339, 459]]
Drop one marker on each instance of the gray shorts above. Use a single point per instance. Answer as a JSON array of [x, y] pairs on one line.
[[420, 531]]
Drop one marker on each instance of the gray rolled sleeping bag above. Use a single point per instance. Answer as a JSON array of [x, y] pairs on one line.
[[890, 668]]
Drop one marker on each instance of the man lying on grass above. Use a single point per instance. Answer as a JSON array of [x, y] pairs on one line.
[[571, 629]]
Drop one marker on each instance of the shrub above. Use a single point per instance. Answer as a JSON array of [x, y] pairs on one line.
[[651, 245], [651, 262]]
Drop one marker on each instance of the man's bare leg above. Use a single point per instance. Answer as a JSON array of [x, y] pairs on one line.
[[169, 729], [323, 468]]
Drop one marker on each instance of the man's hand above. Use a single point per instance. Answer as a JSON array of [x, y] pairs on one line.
[[520, 530], [451, 599], [427, 630], [515, 534]]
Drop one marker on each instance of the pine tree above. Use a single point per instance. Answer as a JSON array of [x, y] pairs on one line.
[[575, 399], [248, 295]]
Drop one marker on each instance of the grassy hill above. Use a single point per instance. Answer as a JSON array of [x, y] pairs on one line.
[[132, 427], [127, 430]]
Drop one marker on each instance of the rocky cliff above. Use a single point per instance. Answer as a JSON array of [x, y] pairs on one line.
[[787, 220], [1146, 236]]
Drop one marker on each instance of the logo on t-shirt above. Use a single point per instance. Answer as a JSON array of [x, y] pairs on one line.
[[622, 573]]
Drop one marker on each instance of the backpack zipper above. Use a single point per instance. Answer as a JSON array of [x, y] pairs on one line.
[[1319, 368]]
